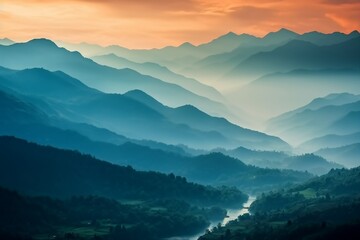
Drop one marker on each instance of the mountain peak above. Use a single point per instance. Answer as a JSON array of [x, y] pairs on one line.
[[140, 96], [42, 42], [354, 33], [229, 35], [285, 30], [282, 32], [6, 41], [186, 45]]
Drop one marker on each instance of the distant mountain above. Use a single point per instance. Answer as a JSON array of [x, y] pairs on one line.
[[346, 155], [323, 39], [226, 43], [13, 110], [215, 67], [281, 36], [6, 41], [64, 134], [212, 60], [175, 58], [298, 54], [312, 163], [217, 108], [281, 160], [266, 95], [134, 115], [329, 141], [160, 72], [310, 122], [331, 99], [193, 117], [215, 169], [83, 104], [44, 53], [347, 124]]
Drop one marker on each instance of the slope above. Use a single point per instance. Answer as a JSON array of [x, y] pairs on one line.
[[191, 116], [44, 53], [131, 116], [266, 95], [348, 155], [303, 125], [204, 169], [298, 54]]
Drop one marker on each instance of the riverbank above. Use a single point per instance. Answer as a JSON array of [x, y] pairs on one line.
[[232, 214]]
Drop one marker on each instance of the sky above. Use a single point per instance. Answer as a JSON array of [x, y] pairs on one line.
[[159, 23]]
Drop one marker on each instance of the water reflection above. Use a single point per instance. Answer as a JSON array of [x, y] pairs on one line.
[[232, 214]]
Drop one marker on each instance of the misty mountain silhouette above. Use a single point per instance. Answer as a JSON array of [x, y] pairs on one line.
[[330, 141], [299, 54], [41, 130], [270, 90], [164, 74], [6, 41], [334, 114], [197, 119], [134, 115], [281, 160], [44, 53], [347, 155], [283, 35], [160, 72], [219, 66]]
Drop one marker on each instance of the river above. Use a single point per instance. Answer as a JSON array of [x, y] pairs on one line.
[[232, 214]]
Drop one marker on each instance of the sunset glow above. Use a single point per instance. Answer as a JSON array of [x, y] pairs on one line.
[[157, 23]]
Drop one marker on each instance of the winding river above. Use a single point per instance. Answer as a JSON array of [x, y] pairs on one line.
[[232, 214]]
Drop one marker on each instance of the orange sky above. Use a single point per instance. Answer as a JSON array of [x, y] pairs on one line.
[[157, 23]]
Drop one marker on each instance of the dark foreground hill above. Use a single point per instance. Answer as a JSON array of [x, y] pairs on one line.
[[325, 207], [40, 170]]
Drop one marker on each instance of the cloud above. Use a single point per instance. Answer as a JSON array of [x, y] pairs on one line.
[[155, 23], [250, 14], [342, 1]]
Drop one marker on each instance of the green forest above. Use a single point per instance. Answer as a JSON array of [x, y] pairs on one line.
[[325, 207], [74, 196]]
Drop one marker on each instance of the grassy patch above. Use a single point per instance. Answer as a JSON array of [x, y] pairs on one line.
[[308, 193]]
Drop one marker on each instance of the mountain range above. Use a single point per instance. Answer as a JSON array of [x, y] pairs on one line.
[[298, 54], [314, 120], [39, 115], [312, 163], [135, 115], [43, 53], [266, 95]]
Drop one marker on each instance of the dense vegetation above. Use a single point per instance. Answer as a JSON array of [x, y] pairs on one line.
[[281, 160], [61, 173], [75, 196], [326, 207], [86, 217]]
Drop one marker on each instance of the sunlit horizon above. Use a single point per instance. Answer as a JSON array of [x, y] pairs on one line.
[[156, 24]]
